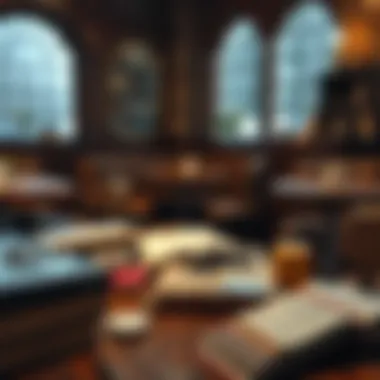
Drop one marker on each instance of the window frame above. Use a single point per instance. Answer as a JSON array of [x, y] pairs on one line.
[[269, 33], [260, 142], [289, 137], [72, 38], [111, 140]]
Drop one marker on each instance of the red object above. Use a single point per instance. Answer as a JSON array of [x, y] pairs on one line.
[[128, 277]]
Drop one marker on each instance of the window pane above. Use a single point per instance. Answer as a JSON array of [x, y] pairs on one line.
[[304, 53], [37, 81], [238, 71], [133, 92]]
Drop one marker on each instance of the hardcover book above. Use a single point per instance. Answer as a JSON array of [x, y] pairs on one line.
[[297, 334]]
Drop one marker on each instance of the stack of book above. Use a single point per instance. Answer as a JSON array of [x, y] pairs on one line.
[[50, 305], [249, 282], [88, 235]]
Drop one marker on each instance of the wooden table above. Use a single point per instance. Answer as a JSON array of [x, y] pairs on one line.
[[177, 334], [171, 331]]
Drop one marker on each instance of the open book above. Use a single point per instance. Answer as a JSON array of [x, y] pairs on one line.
[[296, 334], [87, 234]]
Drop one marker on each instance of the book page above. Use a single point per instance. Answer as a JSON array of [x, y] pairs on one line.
[[294, 320]]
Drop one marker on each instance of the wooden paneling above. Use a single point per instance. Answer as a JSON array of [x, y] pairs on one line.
[[144, 181], [185, 35]]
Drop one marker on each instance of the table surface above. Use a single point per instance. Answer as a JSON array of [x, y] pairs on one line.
[[170, 331], [177, 335]]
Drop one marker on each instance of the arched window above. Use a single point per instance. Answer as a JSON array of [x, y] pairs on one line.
[[133, 92], [238, 73], [37, 81], [304, 53]]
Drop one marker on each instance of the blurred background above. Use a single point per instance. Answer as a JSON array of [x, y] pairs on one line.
[[258, 120]]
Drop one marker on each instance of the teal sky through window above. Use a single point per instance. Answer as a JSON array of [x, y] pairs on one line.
[[304, 54], [238, 76], [37, 81]]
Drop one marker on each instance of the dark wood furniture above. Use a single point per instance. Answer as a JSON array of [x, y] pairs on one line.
[[171, 328], [178, 333], [50, 305], [220, 188]]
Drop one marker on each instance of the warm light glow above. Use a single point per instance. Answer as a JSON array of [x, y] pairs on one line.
[[190, 167], [357, 43], [373, 5]]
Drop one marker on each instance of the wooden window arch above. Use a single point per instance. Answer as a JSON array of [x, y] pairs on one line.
[[237, 112], [304, 53], [38, 79]]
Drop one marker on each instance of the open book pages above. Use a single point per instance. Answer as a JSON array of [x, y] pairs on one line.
[[291, 332], [164, 244], [361, 305], [251, 280], [87, 234], [292, 321], [295, 319]]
